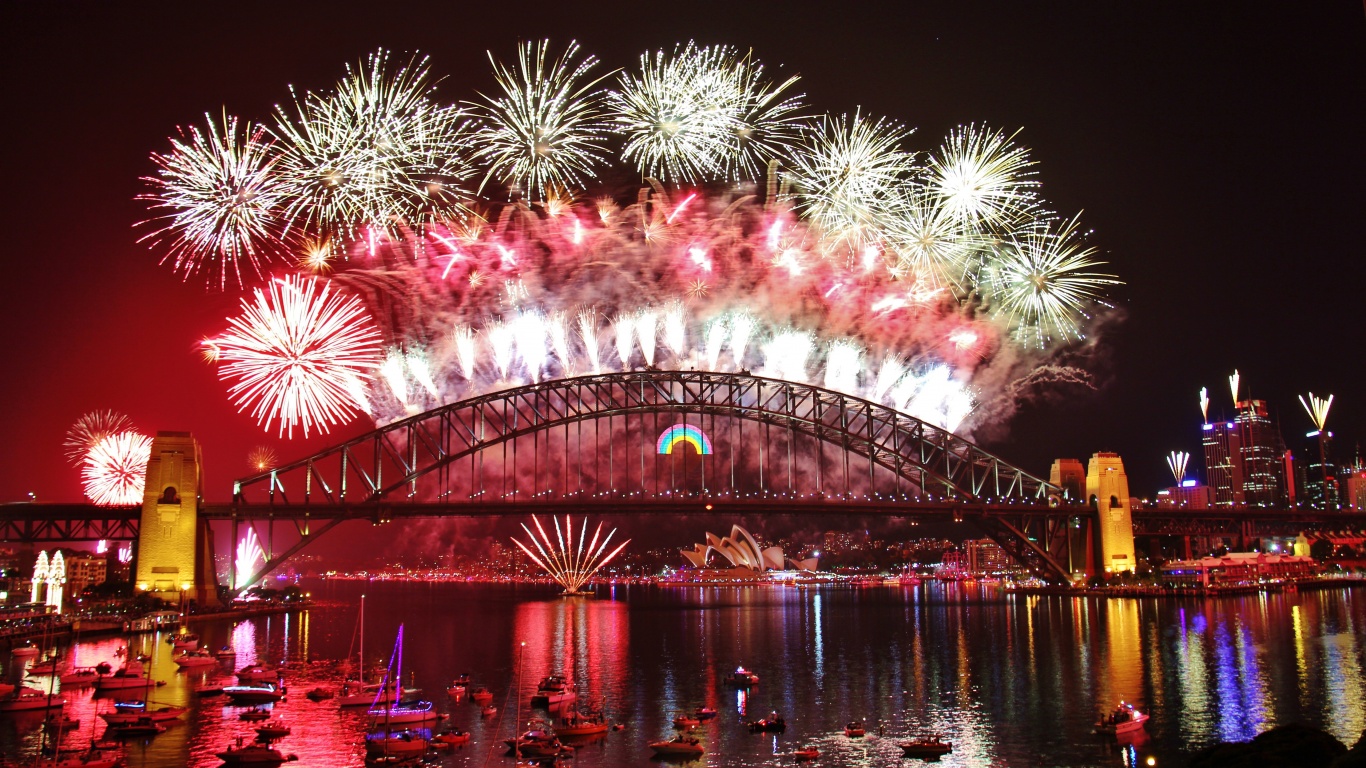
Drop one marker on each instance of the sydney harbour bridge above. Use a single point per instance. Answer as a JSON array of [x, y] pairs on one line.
[[642, 443]]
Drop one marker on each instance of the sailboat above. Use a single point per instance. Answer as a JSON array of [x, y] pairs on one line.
[[358, 693], [395, 712]]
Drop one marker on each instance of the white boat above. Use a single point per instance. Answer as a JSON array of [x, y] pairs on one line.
[[926, 747], [226, 652], [259, 693], [255, 673], [553, 690], [31, 700], [1125, 719], [681, 745], [275, 729], [186, 642], [356, 694], [742, 678], [200, 658], [130, 675], [242, 753]]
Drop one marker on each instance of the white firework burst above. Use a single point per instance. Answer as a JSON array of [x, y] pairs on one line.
[[983, 178], [115, 469], [930, 242], [1042, 285], [571, 564], [221, 200], [90, 429], [546, 130], [845, 175]]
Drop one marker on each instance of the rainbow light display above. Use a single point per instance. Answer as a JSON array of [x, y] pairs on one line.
[[684, 433]]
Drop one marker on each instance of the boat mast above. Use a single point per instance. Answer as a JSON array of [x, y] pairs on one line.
[[360, 673]]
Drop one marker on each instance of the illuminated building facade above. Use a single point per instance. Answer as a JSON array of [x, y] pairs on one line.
[[1245, 459], [1189, 495], [985, 556]]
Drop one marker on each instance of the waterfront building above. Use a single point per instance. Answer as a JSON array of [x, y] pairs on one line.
[[84, 569], [1354, 487], [1239, 568], [984, 556], [1245, 459]]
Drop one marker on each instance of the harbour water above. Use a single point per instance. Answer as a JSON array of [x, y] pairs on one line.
[[1010, 680]]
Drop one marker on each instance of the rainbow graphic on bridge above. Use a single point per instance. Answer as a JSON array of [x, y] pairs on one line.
[[684, 433]]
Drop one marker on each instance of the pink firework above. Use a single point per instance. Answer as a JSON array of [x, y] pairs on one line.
[[89, 430], [298, 353], [116, 469]]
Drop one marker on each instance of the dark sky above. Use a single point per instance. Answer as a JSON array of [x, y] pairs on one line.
[[1218, 152]]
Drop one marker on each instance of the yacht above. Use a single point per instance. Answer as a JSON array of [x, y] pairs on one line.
[[680, 745], [130, 675], [186, 642], [742, 678], [253, 754], [199, 658], [255, 673], [80, 676], [143, 726], [402, 743], [926, 746], [30, 700], [553, 690], [1125, 719], [403, 714], [258, 693], [131, 711]]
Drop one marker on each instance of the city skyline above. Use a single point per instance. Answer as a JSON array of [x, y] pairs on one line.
[[85, 332]]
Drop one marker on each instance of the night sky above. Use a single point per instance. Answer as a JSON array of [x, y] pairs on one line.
[[1218, 152]]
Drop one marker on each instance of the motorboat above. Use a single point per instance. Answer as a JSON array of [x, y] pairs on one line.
[[257, 673], [854, 730], [462, 679], [808, 752], [242, 753], [210, 689], [1125, 719], [456, 690], [403, 714], [742, 678], [80, 676], [396, 743], [142, 726], [126, 712], [770, 724], [199, 658], [130, 675], [31, 700], [226, 652], [704, 713], [684, 722], [254, 715], [681, 745], [553, 690], [260, 693], [531, 736], [488, 710], [450, 739], [537, 743], [275, 729], [926, 746], [481, 696], [185, 642], [58, 721]]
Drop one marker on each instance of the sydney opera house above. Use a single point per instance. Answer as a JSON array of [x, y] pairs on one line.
[[743, 554]]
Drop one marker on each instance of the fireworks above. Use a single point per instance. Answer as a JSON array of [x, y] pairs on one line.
[[222, 199], [293, 353], [90, 429], [570, 564], [1317, 408], [249, 554], [262, 458], [545, 131], [851, 256], [1176, 461], [115, 469]]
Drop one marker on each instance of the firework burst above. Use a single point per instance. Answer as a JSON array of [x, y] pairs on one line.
[[545, 131], [982, 178], [90, 429], [115, 469], [222, 202], [262, 458], [249, 556], [294, 353], [569, 563]]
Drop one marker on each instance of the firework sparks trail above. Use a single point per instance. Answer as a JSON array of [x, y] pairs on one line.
[[90, 429], [853, 254], [570, 564], [1317, 408], [1176, 462], [262, 458], [115, 469], [292, 353], [249, 556]]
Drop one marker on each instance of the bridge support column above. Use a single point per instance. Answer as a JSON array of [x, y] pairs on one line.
[[1107, 486], [175, 548]]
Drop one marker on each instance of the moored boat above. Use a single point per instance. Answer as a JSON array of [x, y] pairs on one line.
[[260, 693], [242, 753], [742, 678], [704, 713], [854, 729], [581, 724], [396, 743], [450, 739], [553, 690], [199, 658], [254, 715], [1125, 719], [81, 676], [403, 714], [132, 711], [143, 726], [808, 752], [275, 729], [678, 746], [31, 700], [258, 673], [481, 696], [926, 746], [130, 675]]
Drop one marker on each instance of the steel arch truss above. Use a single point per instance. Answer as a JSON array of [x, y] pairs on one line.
[[390, 463]]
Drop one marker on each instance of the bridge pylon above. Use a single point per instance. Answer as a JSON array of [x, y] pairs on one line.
[[1107, 488], [175, 546]]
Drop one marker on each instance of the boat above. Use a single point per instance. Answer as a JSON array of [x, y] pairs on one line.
[[82, 676], [680, 745], [456, 691], [356, 694], [742, 678], [450, 739], [130, 675], [275, 729], [404, 743], [256, 673], [106, 756], [854, 730], [808, 752], [31, 700], [260, 693], [403, 714], [131, 711], [481, 696], [553, 690], [226, 652], [704, 713], [320, 694], [199, 658], [575, 724], [772, 724], [143, 726], [1125, 719], [185, 642], [210, 689], [488, 710], [254, 715], [462, 679], [684, 722], [153, 622], [926, 746], [242, 753]]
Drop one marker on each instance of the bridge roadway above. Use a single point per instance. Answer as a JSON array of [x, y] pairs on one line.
[[59, 522]]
